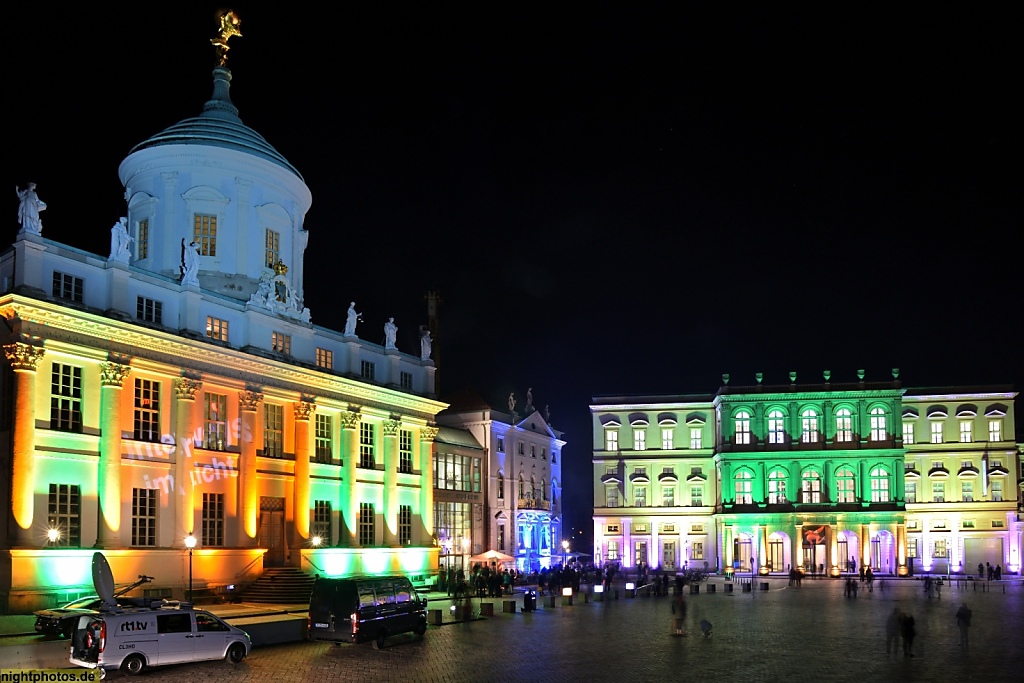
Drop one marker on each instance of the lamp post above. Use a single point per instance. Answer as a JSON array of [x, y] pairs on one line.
[[190, 543], [565, 551]]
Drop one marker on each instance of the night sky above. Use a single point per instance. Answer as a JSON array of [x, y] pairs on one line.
[[610, 201]]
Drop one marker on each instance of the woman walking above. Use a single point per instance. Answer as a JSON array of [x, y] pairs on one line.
[[678, 614]]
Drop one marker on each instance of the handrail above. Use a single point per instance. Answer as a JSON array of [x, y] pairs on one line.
[[315, 565], [246, 568]]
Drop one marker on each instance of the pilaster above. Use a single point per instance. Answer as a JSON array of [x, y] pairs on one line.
[[302, 412], [23, 358], [248, 489], [185, 389], [427, 436], [390, 497], [108, 474], [350, 457]]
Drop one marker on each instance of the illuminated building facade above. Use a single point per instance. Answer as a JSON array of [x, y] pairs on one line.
[[521, 488], [178, 386], [831, 476]]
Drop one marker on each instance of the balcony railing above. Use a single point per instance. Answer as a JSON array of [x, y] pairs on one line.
[[533, 504]]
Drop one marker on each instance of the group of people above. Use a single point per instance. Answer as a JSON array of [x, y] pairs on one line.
[[900, 625], [994, 573]]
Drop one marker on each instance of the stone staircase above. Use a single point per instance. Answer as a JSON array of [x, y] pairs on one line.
[[280, 585]]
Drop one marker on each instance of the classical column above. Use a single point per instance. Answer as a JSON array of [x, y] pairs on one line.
[[865, 546], [248, 489], [797, 560], [108, 475], [350, 457], [901, 549], [427, 436], [763, 551], [302, 410], [390, 498], [727, 549], [185, 389], [23, 358]]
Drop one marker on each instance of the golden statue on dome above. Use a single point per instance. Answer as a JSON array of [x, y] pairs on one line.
[[229, 23]]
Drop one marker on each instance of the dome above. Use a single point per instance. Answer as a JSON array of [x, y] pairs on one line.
[[218, 126]]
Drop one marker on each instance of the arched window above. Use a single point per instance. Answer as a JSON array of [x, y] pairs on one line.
[[879, 485], [521, 486], [533, 487], [844, 425], [846, 486], [544, 489], [500, 483], [776, 427], [744, 487], [811, 491], [742, 421], [777, 486], [809, 426], [878, 424]]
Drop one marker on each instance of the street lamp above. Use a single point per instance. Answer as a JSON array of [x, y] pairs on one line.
[[190, 543], [565, 550]]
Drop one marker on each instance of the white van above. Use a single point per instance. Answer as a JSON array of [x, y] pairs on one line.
[[172, 633]]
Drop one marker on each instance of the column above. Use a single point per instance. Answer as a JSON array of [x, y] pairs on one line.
[[899, 532], [762, 552], [865, 546], [302, 410], [108, 475], [248, 489], [185, 389], [727, 549], [350, 456], [427, 436], [797, 558], [390, 492], [23, 358]]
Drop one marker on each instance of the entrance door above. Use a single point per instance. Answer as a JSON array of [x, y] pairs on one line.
[[668, 555], [271, 532], [775, 556], [742, 555]]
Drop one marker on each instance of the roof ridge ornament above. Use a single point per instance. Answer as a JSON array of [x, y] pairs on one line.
[[229, 23]]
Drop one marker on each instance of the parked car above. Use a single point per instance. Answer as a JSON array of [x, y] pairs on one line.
[[135, 639], [59, 622], [361, 608]]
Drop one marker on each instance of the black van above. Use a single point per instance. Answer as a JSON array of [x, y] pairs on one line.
[[356, 609]]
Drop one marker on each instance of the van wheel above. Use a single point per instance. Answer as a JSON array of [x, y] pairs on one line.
[[421, 628], [133, 665], [236, 653], [379, 642]]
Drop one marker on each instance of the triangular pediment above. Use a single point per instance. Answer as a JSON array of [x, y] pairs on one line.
[[535, 422]]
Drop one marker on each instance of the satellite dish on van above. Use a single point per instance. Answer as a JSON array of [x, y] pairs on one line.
[[103, 579]]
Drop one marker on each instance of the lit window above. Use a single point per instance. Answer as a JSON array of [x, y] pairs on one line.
[[811, 487], [142, 239], [640, 496], [668, 496], [501, 486], [405, 451], [147, 410], [324, 438], [217, 329], [846, 485], [273, 430], [367, 530], [878, 424], [320, 524], [995, 430], [367, 457], [938, 492], [272, 250], [613, 550], [405, 525], [204, 234], [144, 507], [696, 438], [936, 431], [697, 550], [667, 438], [997, 490], [215, 414], [149, 310], [742, 421], [325, 359], [776, 427], [966, 432], [809, 426], [940, 549], [64, 514], [879, 485], [777, 487], [68, 287], [611, 439], [908, 432], [639, 440], [844, 425], [280, 342], [611, 496], [911, 491], [967, 491], [744, 487], [66, 398]]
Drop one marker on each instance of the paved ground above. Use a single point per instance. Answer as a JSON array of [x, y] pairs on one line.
[[785, 634]]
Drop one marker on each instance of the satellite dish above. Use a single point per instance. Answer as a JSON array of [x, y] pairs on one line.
[[103, 580]]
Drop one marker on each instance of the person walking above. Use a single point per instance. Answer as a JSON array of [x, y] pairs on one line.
[[678, 614], [892, 632], [963, 622], [907, 632]]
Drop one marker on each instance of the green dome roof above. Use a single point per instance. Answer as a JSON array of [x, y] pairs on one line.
[[218, 126]]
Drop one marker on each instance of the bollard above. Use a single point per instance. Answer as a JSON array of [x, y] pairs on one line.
[[567, 600], [586, 598], [434, 616], [694, 588], [728, 588], [508, 606], [746, 587], [764, 585], [711, 588], [549, 601], [487, 609]]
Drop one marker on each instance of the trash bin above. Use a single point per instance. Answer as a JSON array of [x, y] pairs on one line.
[[530, 601]]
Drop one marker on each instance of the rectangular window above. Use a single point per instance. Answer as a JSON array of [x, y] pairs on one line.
[[405, 451], [149, 310], [697, 550], [405, 525], [909, 466], [147, 410], [911, 547], [845, 490], [639, 440], [668, 496], [611, 439], [64, 514], [367, 532], [213, 520], [325, 359], [997, 490], [66, 398], [142, 239], [217, 329], [215, 421], [998, 524], [324, 438], [68, 287], [533, 451], [320, 525], [367, 370], [967, 524], [966, 432], [940, 549], [911, 489], [936, 431], [281, 342], [144, 507], [697, 496], [667, 438], [273, 430], [613, 551], [501, 444], [204, 234], [938, 492], [696, 437], [908, 432], [995, 430], [405, 381], [611, 496], [272, 250], [640, 496], [366, 450], [501, 537]]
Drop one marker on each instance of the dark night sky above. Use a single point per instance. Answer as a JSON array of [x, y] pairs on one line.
[[609, 200]]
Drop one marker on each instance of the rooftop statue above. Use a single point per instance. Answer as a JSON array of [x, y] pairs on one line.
[[120, 242], [425, 343], [351, 318], [229, 23], [28, 209], [189, 264], [390, 333]]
